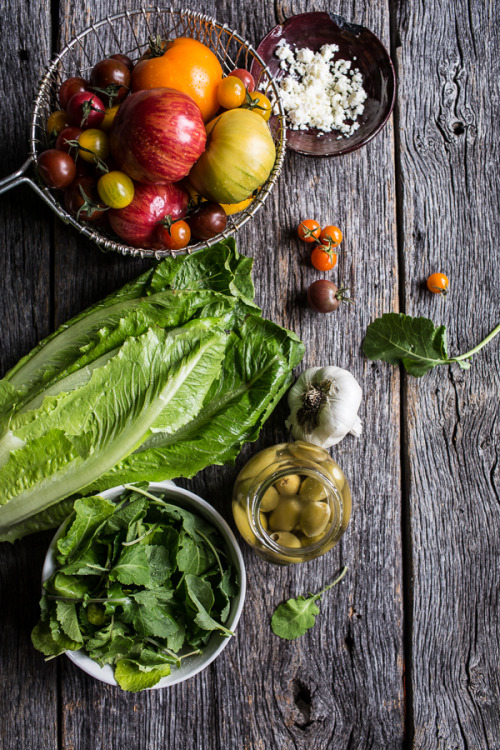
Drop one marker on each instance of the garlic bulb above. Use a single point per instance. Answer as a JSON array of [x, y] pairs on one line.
[[324, 405]]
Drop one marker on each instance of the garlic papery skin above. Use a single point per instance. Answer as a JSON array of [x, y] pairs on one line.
[[324, 405]]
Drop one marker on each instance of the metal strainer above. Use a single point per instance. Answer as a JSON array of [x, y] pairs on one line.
[[128, 33]]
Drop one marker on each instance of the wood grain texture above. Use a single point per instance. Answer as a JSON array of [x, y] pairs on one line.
[[28, 687], [418, 198], [448, 103]]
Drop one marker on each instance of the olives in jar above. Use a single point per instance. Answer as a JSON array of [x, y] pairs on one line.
[[293, 502]]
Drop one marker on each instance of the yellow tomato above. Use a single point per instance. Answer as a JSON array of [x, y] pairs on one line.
[[235, 208], [93, 145], [259, 103], [57, 121], [109, 116]]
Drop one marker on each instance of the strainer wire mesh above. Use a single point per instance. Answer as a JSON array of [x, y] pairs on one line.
[[128, 33]]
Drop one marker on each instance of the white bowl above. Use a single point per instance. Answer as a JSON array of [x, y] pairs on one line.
[[194, 664]]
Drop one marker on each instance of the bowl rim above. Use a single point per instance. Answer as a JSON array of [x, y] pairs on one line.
[[105, 674], [353, 29]]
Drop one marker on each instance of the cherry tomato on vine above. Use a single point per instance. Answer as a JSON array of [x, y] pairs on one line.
[[323, 259], [438, 283], [86, 110], [111, 80], [57, 121], [173, 235], [309, 230], [70, 87], [231, 92], [57, 169], [65, 140], [93, 145], [115, 189], [331, 236], [258, 102], [82, 201], [245, 76]]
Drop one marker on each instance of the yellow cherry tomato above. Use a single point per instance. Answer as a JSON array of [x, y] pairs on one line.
[[57, 121], [235, 208], [93, 145], [115, 189], [109, 117], [258, 102], [231, 92], [438, 283]]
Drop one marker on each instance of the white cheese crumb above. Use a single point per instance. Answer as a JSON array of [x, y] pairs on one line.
[[320, 92]]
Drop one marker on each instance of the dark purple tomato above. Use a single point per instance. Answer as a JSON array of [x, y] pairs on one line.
[[86, 110], [82, 201], [57, 169], [111, 80], [70, 87], [324, 296], [124, 60], [63, 140], [207, 220]]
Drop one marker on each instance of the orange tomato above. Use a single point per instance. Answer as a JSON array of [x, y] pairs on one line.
[[186, 65]]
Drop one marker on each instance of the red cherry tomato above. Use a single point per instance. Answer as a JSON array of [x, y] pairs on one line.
[[208, 220], [82, 201], [323, 259], [309, 230], [57, 169], [70, 87], [66, 137], [86, 110], [324, 296], [246, 77], [172, 235]]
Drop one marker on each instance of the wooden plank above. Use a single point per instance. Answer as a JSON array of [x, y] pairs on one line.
[[341, 685], [28, 687], [449, 134]]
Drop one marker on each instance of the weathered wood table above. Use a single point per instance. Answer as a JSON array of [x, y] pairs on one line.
[[406, 650]]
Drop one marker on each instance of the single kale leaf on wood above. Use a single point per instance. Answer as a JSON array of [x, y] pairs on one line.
[[415, 343], [295, 617]]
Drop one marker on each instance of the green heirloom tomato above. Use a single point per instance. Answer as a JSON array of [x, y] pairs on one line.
[[238, 157], [115, 189]]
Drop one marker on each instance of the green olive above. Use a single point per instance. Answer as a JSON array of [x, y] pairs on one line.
[[240, 491], [311, 490], [286, 539], [289, 484], [262, 460], [241, 520], [285, 515], [269, 500], [303, 450], [314, 518], [336, 474], [263, 521]]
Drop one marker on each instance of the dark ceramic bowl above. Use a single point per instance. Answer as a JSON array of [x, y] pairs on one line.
[[313, 30]]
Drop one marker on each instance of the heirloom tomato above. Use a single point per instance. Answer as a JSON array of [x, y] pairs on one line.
[[186, 65], [238, 158]]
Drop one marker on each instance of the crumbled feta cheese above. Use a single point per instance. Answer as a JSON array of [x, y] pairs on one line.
[[318, 91]]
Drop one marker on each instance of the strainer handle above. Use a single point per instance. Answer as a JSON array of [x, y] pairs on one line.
[[19, 177]]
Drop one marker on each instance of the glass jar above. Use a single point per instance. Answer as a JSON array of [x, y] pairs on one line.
[[291, 502]]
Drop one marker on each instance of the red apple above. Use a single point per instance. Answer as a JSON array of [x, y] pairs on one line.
[[157, 135], [136, 223]]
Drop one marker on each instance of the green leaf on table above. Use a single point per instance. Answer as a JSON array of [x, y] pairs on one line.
[[295, 617], [416, 343]]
